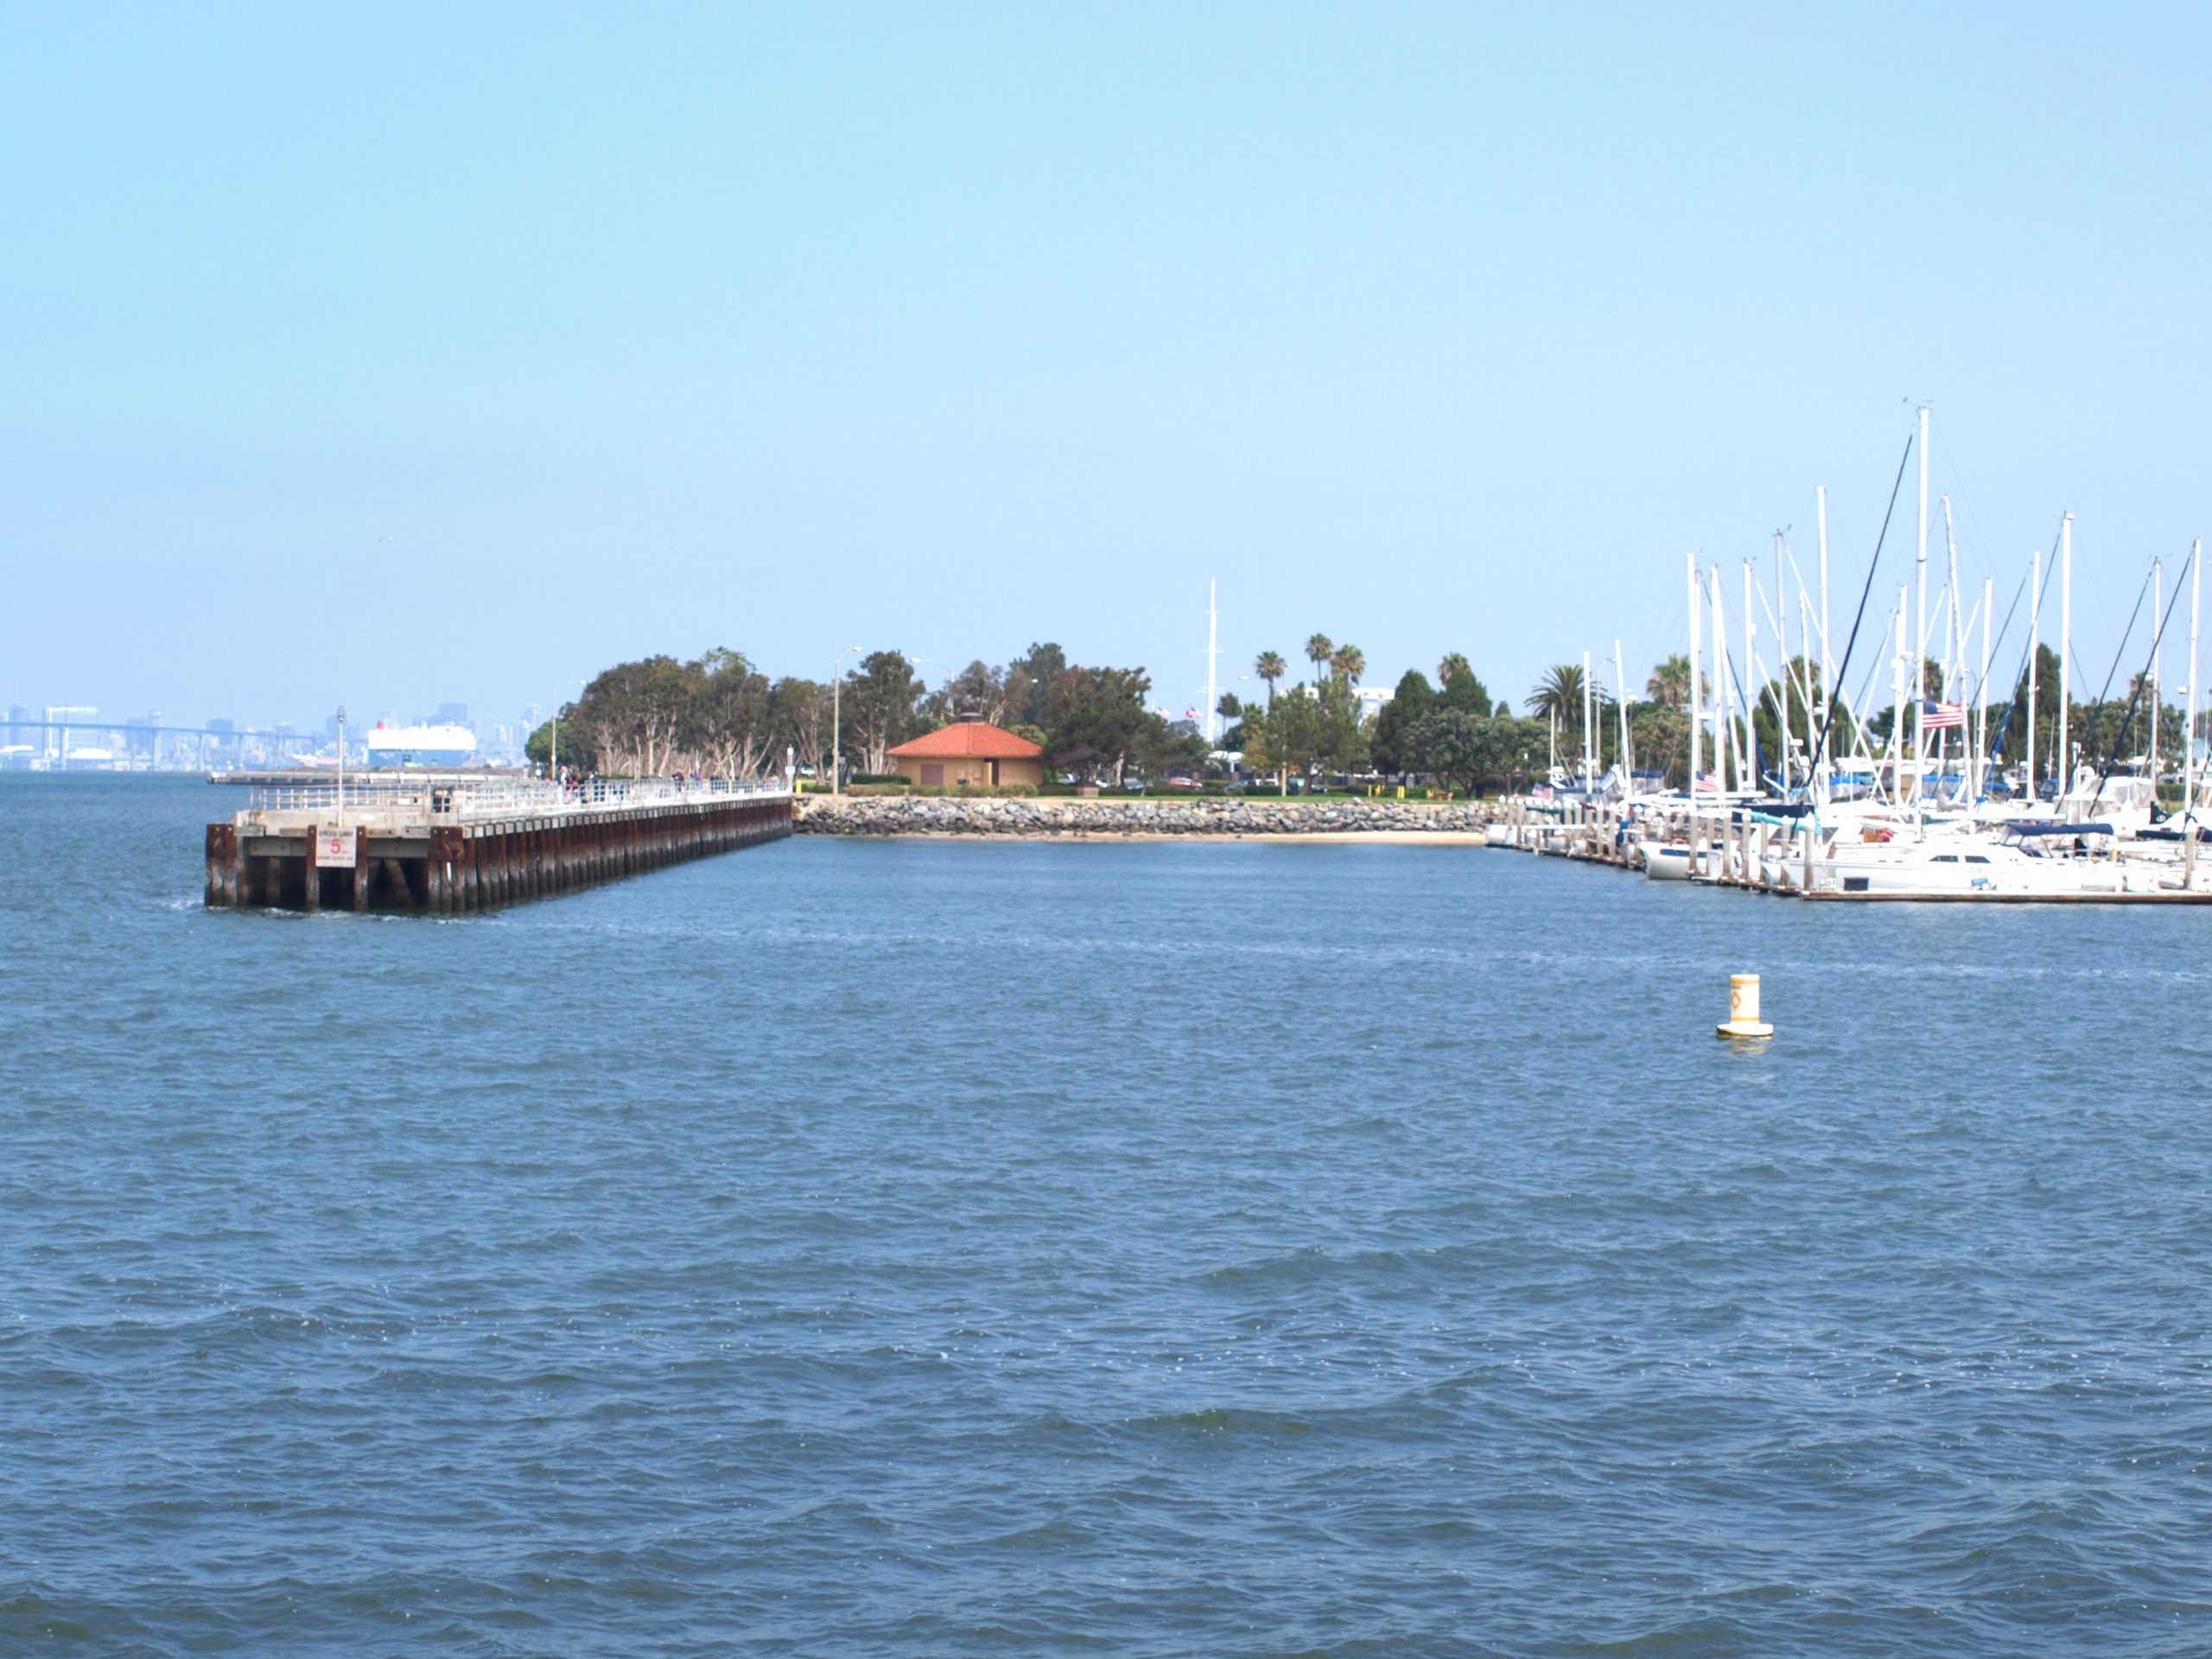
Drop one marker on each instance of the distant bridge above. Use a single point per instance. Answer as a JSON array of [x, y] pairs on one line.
[[142, 728]]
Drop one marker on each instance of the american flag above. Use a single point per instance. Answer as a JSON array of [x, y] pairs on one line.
[[1936, 716], [1190, 714], [1710, 783]]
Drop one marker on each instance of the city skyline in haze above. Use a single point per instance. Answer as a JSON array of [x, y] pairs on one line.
[[419, 356]]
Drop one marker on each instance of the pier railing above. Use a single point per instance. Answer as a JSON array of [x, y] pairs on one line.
[[449, 801]]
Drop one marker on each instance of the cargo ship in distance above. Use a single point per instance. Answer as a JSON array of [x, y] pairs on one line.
[[442, 748]]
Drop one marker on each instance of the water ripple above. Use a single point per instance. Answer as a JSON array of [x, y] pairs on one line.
[[893, 1247]]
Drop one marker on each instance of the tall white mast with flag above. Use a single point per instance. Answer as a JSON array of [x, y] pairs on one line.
[[1213, 662]]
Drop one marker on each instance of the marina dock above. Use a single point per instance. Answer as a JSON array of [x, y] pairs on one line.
[[443, 847], [1732, 846]]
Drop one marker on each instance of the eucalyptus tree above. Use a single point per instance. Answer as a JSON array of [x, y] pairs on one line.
[[726, 726], [1297, 735], [1103, 710], [1314, 728], [632, 717], [878, 710], [798, 715], [1029, 683], [978, 688]]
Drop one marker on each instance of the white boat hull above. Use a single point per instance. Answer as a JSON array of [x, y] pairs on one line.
[[1960, 879]]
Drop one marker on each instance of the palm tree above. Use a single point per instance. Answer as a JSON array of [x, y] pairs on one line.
[[1270, 667], [1670, 682], [1350, 662], [1559, 692], [1452, 667], [1319, 650]]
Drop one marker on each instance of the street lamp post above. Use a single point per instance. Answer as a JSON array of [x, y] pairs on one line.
[[836, 720], [342, 764], [553, 746]]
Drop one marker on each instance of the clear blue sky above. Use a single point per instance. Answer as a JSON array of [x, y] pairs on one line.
[[403, 353]]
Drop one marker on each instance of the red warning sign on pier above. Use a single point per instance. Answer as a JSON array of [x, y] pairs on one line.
[[334, 849]]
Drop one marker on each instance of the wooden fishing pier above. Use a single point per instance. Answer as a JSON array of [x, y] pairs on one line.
[[449, 848]]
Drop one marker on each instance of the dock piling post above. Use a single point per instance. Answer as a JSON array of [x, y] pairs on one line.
[[222, 866]]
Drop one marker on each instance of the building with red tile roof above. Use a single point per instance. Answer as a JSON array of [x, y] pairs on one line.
[[970, 752]]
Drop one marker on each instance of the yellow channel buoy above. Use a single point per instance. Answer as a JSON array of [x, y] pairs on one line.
[[1744, 1008]]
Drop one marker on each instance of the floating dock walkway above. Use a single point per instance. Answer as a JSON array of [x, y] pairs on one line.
[[448, 848], [1735, 848]]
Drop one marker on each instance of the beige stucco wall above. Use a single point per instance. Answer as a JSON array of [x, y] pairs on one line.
[[977, 772]]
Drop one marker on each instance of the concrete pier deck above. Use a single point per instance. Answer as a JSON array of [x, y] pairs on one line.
[[295, 777], [443, 847]]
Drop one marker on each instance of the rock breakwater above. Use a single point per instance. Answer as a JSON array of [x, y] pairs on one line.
[[894, 815]]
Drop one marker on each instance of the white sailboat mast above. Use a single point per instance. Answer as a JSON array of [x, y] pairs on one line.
[[1827, 662], [1724, 689], [1954, 648], [1697, 711], [1213, 664], [2035, 651], [1955, 643], [1901, 681], [1919, 636], [2158, 641], [1812, 718], [2064, 770], [2189, 729], [1981, 718], [1782, 650], [1620, 684], [1750, 774], [1588, 756]]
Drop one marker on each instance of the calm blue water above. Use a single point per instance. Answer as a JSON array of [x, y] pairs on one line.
[[846, 1248]]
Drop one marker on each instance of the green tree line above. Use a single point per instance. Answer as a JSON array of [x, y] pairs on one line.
[[719, 716]]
